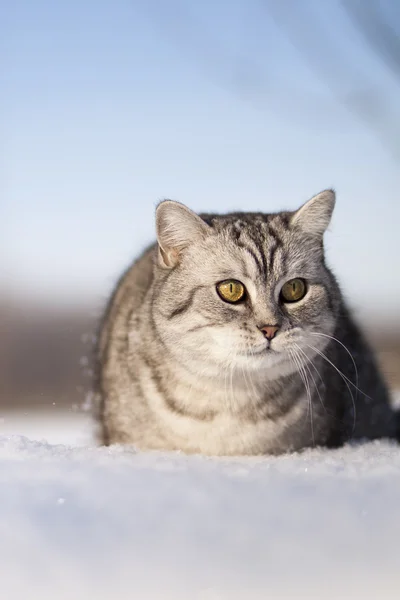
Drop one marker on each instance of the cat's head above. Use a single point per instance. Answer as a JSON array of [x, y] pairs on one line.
[[246, 290]]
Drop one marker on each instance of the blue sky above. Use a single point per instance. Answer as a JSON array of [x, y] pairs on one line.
[[109, 107]]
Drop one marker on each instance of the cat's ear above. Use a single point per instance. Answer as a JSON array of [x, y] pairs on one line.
[[177, 227], [315, 215]]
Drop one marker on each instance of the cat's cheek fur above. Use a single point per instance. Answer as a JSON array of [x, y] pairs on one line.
[[314, 312]]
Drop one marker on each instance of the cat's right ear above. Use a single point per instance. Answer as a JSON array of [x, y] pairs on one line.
[[177, 227], [315, 215]]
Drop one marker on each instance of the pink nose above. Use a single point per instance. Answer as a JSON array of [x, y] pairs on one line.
[[269, 331]]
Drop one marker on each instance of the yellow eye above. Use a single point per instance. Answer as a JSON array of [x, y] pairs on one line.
[[231, 290], [293, 290]]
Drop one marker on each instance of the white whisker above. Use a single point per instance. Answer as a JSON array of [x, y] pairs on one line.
[[303, 376], [246, 383], [331, 337], [345, 379], [308, 360], [233, 399], [251, 380], [226, 386]]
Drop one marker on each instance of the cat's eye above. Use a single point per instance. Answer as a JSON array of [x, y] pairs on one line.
[[231, 290], [293, 290]]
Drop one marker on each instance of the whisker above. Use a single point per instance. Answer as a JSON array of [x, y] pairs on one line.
[[331, 337], [345, 379], [311, 375], [233, 399], [247, 385], [354, 385], [308, 360], [226, 386], [255, 394], [303, 376], [250, 378]]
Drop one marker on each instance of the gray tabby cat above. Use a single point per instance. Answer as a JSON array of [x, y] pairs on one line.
[[230, 336]]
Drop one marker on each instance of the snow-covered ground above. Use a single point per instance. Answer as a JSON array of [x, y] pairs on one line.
[[73, 428], [80, 523]]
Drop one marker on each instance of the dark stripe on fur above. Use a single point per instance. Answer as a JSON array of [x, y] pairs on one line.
[[258, 242], [185, 305], [169, 400], [268, 409], [260, 262]]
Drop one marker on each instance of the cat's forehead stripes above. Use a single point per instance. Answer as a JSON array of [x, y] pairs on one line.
[[260, 236]]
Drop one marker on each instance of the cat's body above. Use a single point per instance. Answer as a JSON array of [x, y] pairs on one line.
[[183, 368]]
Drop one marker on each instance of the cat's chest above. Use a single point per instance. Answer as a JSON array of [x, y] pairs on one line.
[[194, 424], [229, 435]]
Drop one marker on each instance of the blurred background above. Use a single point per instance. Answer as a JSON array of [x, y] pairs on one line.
[[108, 107]]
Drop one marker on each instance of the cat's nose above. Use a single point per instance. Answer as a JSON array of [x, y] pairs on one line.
[[269, 331]]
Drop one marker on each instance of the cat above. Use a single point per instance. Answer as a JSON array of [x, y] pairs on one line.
[[230, 336]]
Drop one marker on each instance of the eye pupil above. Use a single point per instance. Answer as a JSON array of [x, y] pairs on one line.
[[293, 290], [231, 291]]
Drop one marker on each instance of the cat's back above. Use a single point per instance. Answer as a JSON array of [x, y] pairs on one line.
[[126, 299], [112, 340], [135, 282]]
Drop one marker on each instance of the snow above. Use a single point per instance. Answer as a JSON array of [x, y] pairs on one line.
[[79, 522], [55, 426]]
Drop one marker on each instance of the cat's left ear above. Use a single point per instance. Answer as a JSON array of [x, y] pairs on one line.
[[315, 215], [177, 227]]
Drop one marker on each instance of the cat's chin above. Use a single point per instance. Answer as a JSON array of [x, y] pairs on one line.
[[264, 358]]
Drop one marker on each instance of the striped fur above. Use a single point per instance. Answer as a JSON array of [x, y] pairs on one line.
[[180, 369]]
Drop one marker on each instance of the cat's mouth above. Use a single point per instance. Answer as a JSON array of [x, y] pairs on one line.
[[264, 349]]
